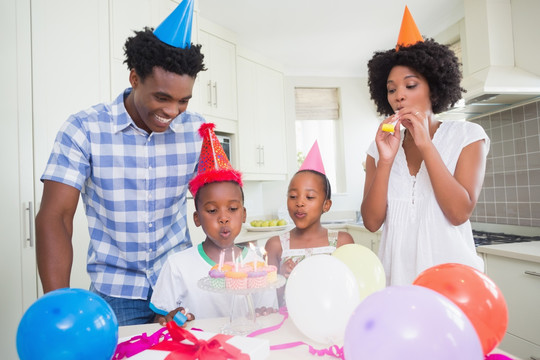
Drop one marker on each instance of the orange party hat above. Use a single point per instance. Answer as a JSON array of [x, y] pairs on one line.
[[313, 160], [214, 166], [409, 33]]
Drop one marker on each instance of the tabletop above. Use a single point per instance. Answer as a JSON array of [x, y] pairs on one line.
[[286, 334]]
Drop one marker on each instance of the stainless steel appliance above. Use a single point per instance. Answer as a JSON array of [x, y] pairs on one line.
[[490, 238]]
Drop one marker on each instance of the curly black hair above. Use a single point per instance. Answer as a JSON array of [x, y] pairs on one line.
[[144, 51], [436, 62]]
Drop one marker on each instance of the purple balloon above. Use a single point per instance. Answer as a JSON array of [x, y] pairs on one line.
[[410, 322]]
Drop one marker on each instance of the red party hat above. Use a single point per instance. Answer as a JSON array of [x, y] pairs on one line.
[[313, 160], [213, 163], [409, 33]]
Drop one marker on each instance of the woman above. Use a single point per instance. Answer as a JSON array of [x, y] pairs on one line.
[[423, 179]]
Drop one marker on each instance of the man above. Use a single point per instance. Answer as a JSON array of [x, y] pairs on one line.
[[131, 161]]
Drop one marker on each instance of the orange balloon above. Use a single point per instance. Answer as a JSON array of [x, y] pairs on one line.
[[475, 294]]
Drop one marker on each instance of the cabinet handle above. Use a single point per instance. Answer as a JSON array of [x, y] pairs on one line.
[[534, 358], [258, 155], [262, 162], [209, 87], [533, 273], [30, 232], [215, 94]]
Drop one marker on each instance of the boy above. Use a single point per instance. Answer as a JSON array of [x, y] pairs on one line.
[[219, 209]]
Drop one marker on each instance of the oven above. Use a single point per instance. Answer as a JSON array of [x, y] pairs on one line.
[[491, 238]]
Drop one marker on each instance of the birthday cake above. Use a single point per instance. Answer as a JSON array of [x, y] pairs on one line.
[[252, 275]]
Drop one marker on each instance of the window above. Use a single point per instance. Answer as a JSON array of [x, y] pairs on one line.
[[318, 118]]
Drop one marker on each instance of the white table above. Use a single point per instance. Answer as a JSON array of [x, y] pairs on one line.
[[287, 333]]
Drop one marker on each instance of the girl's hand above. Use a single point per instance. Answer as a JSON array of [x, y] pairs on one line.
[[287, 267], [263, 311], [170, 316], [388, 143]]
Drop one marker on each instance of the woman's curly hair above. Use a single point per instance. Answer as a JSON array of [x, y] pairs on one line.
[[436, 62], [144, 51]]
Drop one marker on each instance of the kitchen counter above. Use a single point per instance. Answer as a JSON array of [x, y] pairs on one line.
[[527, 251], [260, 237], [287, 333]]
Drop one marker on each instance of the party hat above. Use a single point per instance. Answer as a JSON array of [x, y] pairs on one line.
[[213, 163], [313, 160], [409, 33], [175, 30]]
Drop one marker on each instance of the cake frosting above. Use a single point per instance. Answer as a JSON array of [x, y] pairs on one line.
[[251, 275]]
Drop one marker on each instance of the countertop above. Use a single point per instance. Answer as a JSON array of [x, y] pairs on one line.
[[528, 251], [248, 236], [287, 333]]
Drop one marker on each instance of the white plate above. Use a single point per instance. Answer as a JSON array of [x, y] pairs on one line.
[[265, 228]]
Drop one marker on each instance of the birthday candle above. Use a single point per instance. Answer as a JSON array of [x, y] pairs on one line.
[[221, 258], [236, 264]]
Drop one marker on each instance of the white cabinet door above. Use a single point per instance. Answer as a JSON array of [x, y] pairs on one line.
[[365, 238], [17, 259], [261, 121], [519, 281], [70, 71], [218, 83]]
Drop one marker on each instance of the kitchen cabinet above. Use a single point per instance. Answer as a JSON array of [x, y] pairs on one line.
[[364, 237], [261, 121], [217, 85], [17, 259], [519, 281]]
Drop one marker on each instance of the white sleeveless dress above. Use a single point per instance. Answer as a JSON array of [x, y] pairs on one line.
[[416, 235]]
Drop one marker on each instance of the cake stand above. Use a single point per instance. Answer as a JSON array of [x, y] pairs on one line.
[[242, 317]]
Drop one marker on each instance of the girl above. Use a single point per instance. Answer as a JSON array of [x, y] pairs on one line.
[[308, 198]]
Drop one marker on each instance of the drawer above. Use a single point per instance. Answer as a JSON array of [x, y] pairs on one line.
[[521, 292], [516, 346]]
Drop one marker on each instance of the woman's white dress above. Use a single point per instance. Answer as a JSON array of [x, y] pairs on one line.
[[416, 235]]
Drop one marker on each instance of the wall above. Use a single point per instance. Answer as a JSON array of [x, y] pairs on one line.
[[511, 191], [359, 124]]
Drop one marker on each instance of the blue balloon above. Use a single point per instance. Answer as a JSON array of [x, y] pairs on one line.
[[68, 324]]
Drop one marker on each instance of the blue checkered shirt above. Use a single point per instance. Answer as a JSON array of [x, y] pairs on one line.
[[133, 185]]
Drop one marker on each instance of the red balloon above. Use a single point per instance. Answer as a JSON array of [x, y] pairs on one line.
[[475, 294]]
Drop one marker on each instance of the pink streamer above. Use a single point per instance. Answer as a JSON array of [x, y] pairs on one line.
[[333, 350], [139, 343], [497, 357]]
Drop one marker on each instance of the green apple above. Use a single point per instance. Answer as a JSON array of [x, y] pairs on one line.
[[281, 222], [265, 223], [254, 223], [273, 222]]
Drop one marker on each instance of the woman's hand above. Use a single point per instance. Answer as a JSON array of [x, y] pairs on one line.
[[162, 320], [416, 122], [388, 143]]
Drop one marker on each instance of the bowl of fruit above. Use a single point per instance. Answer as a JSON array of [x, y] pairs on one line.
[[267, 225]]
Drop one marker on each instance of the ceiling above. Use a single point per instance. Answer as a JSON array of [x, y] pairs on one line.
[[333, 38]]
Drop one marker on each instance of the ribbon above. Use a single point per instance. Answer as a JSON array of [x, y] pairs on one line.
[[138, 344], [216, 348], [497, 357], [333, 350]]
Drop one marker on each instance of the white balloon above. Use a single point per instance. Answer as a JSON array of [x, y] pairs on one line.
[[321, 295]]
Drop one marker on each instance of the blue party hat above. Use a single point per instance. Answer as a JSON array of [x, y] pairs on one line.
[[175, 30]]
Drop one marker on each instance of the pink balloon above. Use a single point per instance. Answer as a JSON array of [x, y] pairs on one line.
[[410, 322]]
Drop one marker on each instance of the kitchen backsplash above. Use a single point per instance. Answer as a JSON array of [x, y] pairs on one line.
[[511, 191]]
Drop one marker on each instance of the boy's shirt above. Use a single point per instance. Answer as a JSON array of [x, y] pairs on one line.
[[177, 286]]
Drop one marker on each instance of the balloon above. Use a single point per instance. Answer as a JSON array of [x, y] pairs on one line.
[[410, 322], [365, 265], [321, 294], [475, 294], [68, 324]]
